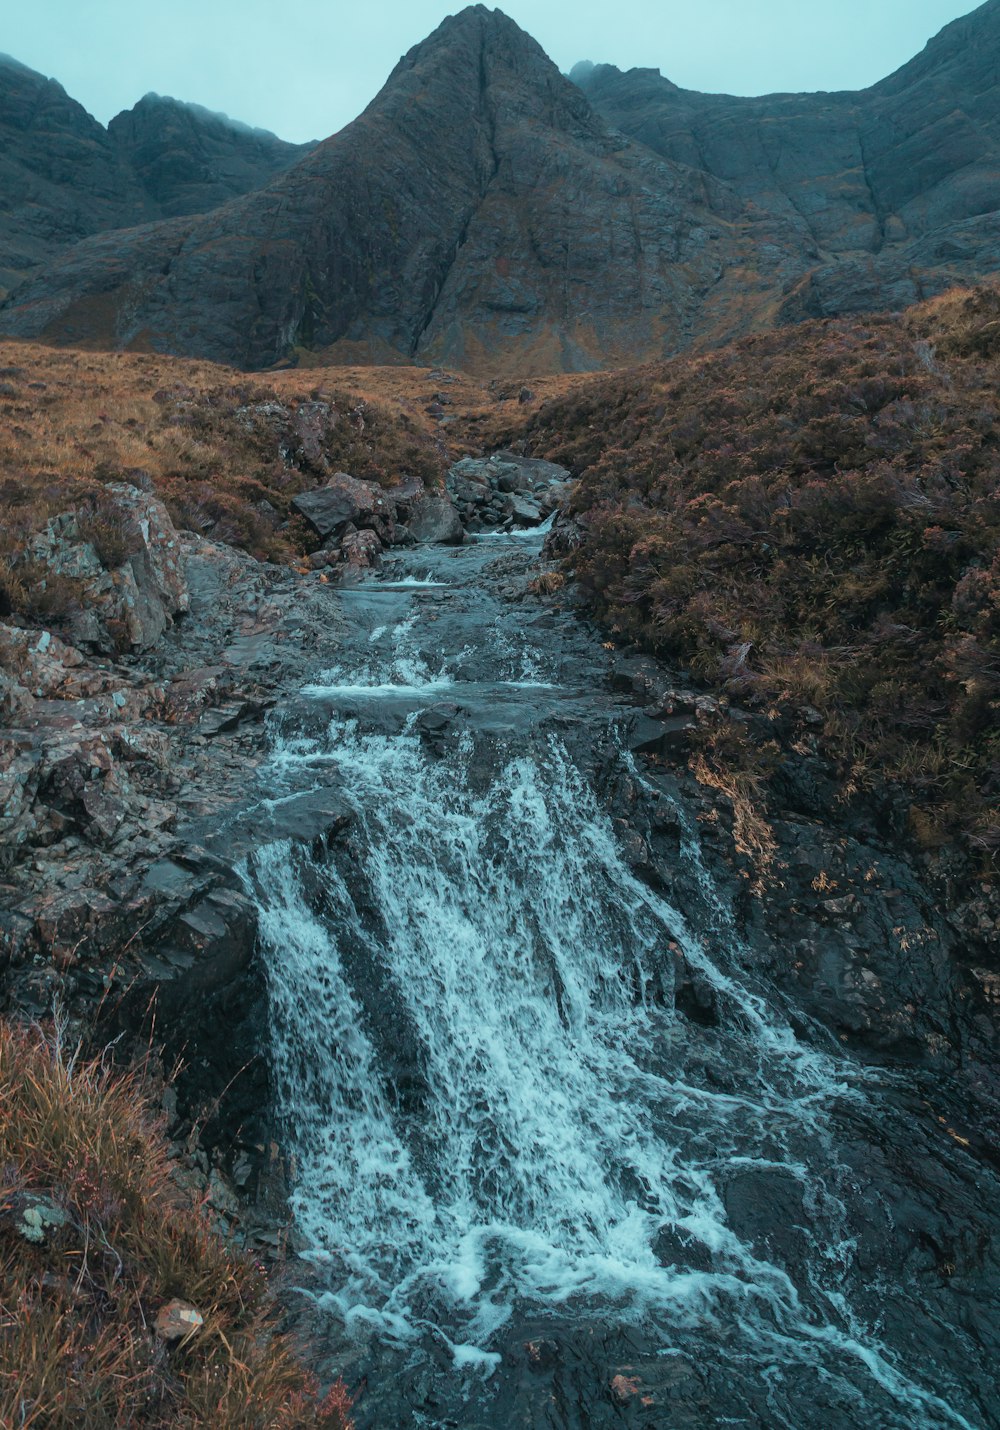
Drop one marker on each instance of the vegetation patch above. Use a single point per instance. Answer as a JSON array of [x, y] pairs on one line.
[[119, 1304], [809, 521], [224, 452]]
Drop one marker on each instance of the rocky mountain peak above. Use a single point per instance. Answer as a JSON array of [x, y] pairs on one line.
[[189, 159], [487, 212], [478, 53], [965, 50]]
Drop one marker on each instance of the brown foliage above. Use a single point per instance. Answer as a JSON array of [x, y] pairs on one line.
[[78, 1350], [812, 517]]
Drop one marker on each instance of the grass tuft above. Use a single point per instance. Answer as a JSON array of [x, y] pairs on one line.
[[77, 1308]]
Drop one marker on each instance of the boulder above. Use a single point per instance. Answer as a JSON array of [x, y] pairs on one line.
[[404, 495], [362, 549], [505, 487], [344, 500], [127, 605], [526, 511], [435, 520]]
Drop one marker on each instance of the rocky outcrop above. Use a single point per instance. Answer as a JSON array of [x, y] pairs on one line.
[[357, 521], [120, 901], [487, 213], [122, 563]]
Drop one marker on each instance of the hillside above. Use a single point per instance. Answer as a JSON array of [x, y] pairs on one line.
[[809, 521], [486, 213]]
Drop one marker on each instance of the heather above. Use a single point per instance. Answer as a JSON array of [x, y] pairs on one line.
[[809, 522], [95, 1241]]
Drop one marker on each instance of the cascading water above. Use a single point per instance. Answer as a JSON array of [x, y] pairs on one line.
[[495, 1111]]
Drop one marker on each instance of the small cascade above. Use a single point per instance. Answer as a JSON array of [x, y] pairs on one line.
[[494, 1107]]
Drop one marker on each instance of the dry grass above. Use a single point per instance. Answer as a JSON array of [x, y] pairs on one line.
[[78, 1349], [225, 451], [811, 518]]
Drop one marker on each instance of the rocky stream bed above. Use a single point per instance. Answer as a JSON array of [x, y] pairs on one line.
[[562, 1100]]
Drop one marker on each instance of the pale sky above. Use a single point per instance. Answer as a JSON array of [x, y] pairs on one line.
[[305, 68]]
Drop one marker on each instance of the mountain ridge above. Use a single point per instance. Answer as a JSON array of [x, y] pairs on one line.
[[486, 212], [64, 176]]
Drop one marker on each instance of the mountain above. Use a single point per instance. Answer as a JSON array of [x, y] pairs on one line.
[[188, 160], [487, 212], [60, 174], [881, 196], [64, 177], [477, 205]]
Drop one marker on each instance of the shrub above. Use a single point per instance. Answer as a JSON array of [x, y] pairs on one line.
[[812, 517]]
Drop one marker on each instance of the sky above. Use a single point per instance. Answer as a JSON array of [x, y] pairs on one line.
[[305, 68]]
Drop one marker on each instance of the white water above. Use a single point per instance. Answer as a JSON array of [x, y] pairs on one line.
[[563, 1118]]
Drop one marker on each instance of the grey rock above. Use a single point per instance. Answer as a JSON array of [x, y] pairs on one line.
[[435, 520], [526, 512], [343, 500]]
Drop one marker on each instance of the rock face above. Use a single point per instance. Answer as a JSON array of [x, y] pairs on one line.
[[855, 201], [488, 213], [119, 895], [64, 177]]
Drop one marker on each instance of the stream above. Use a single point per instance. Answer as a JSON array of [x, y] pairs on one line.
[[532, 1185]]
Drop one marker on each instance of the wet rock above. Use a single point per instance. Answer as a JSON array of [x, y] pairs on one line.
[[437, 718], [624, 1388], [542, 1354], [526, 512], [225, 718], [435, 520], [362, 550], [765, 1206], [344, 500], [315, 816], [666, 737]]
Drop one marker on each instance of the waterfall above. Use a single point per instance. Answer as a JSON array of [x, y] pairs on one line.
[[492, 1103]]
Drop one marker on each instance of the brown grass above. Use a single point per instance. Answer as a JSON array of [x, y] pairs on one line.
[[220, 448], [811, 518], [77, 1348]]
